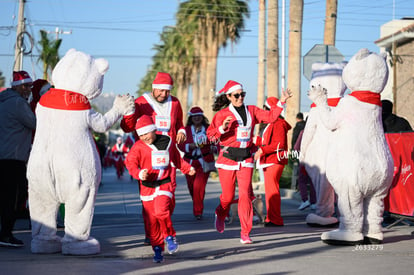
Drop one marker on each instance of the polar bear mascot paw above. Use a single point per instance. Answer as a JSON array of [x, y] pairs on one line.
[[81, 247], [46, 246], [318, 221], [318, 95], [342, 237], [124, 104]]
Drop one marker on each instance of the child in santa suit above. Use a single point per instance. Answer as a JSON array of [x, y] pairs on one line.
[[149, 162], [272, 157], [232, 127], [197, 152]]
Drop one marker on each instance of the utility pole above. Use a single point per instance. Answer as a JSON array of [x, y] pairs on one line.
[[330, 23], [18, 50]]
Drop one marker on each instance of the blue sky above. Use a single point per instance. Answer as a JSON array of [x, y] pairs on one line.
[[125, 31]]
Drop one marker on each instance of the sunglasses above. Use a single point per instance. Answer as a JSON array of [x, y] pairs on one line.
[[242, 94]]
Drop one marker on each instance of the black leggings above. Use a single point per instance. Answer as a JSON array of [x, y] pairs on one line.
[[13, 192]]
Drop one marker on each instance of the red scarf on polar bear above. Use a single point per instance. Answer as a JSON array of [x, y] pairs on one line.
[[64, 100]]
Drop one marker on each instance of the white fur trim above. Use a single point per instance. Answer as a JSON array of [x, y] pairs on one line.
[[162, 86], [221, 130], [182, 130], [141, 173], [267, 105], [195, 114], [157, 193], [23, 81], [143, 130], [234, 88]]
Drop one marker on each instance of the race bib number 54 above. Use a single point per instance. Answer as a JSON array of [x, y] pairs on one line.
[[160, 159]]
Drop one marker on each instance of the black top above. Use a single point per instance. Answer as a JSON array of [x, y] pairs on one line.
[[161, 142], [242, 112]]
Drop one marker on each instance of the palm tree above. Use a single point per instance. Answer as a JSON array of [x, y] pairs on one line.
[[214, 23], [294, 61], [2, 80], [50, 53]]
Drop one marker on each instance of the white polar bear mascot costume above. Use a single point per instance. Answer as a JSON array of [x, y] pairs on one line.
[[359, 164], [64, 165], [315, 143]]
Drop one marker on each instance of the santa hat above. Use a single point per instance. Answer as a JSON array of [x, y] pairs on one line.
[[163, 81], [39, 88], [144, 125], [230, 87], [271, 102], [195, 111], [21, 77]]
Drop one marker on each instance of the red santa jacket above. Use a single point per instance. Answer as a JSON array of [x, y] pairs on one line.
[[119, 151], [146, 105], [237, 135], [141, 157], [274, 142], [203, 151]]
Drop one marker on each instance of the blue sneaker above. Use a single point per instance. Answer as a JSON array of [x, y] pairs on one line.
[[172, 245], [158, 257]]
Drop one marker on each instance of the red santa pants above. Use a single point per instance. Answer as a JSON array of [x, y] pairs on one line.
[[272, 176], [157, 215], [197, 187], [228, 186], [173, 176]]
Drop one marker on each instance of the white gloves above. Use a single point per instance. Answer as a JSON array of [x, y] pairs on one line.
[[124, 104]]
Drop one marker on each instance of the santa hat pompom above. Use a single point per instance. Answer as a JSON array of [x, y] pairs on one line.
[[144, 125], [163, 81], [21, 77]]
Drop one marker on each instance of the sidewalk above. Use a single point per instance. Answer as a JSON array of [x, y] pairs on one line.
[[292, 249]]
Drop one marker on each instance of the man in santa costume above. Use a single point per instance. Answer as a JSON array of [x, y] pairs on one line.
[[16, 124], [149, 161], [232, 127], [166, 112]]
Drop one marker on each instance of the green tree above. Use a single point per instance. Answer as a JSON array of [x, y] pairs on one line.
[[49, 54], [212, 23], [2, 80]]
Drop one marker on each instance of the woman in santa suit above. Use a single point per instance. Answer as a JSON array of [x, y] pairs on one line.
[[272, 157], [232, 127], [197, 152]]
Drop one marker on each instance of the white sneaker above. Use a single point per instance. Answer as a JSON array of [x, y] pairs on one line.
[[313, 206], [304, 205]]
